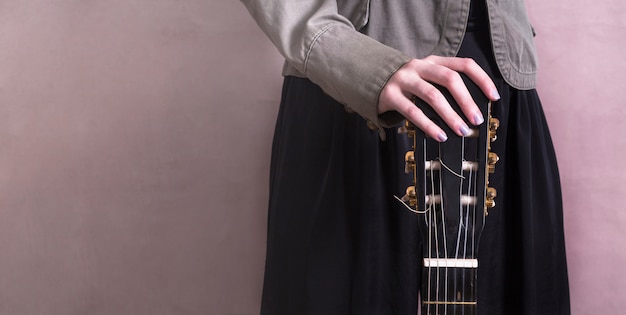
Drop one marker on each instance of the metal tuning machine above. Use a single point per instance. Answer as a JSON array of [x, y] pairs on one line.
[[492, 159], [410, 197]]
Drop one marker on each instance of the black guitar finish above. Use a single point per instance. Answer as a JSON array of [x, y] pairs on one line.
[[452, 197]]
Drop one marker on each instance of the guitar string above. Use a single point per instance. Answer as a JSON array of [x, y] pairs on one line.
[[471, 191], [450, 170], [460, 219], [471, 183], [473, 242], [443, 225], [462, 223], [460, 230], [435, 229], [409, 208], [474, 214], [470, 291], [470, 208], [464, 212], [430, 225]]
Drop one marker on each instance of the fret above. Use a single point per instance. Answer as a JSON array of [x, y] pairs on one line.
[[450, 287], [444, 309], [448, 303]]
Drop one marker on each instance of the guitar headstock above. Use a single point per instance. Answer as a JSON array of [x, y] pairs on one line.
[[451, 194]]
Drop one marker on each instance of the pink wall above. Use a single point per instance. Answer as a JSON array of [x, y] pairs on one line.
[[581, 82], [134, 147], [134, 153]]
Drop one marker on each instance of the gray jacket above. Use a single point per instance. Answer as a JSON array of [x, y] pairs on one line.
[[350, 48]]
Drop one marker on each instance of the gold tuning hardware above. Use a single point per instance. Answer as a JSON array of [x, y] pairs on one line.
[[410, 196], [409, 158], [490, 196], [494, 123], [492, 159], [408, 129]]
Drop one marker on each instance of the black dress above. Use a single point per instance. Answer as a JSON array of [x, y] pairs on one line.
[[339, 243]]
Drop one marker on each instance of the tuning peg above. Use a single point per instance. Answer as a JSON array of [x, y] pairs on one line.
[[492, 159], [410, 197], [490, 196], [409, 158], [408, 129], [494, 123]]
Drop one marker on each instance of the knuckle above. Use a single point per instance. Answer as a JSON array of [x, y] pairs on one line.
[[451, 77], [432, 95], [468, 64], [412, 112], [411, 66], [386, 92], [429, 58], [403, 76], [413, 63]]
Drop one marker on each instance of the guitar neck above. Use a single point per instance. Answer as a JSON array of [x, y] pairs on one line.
[[449, 286]]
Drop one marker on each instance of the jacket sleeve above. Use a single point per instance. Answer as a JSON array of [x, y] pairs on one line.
[[326, 47]]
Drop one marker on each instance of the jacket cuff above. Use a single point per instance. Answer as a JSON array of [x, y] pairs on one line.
[[353, 68]]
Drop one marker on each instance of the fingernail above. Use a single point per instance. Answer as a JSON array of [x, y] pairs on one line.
[[442, 137], [465, 131], [478, 119], [495, 95]]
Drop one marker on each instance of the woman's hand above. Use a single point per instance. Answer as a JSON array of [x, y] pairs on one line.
[[414, 79]]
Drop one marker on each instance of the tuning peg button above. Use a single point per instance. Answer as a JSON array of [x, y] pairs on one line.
[[410, 197], [490, 196], [409, 158], [494, 123], [492, 159], [408, 129]]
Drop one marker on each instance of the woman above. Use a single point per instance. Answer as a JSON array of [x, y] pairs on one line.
[[338, 242]]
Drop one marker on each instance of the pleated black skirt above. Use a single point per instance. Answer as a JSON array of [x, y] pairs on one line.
[[338, 242]]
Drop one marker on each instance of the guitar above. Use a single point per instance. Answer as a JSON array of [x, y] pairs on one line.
[[451, 194]]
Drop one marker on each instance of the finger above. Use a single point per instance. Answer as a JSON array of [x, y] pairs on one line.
[[419, 119], [452, 81], [407, 108], [474, 71], [433, 96], [414, 83]]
